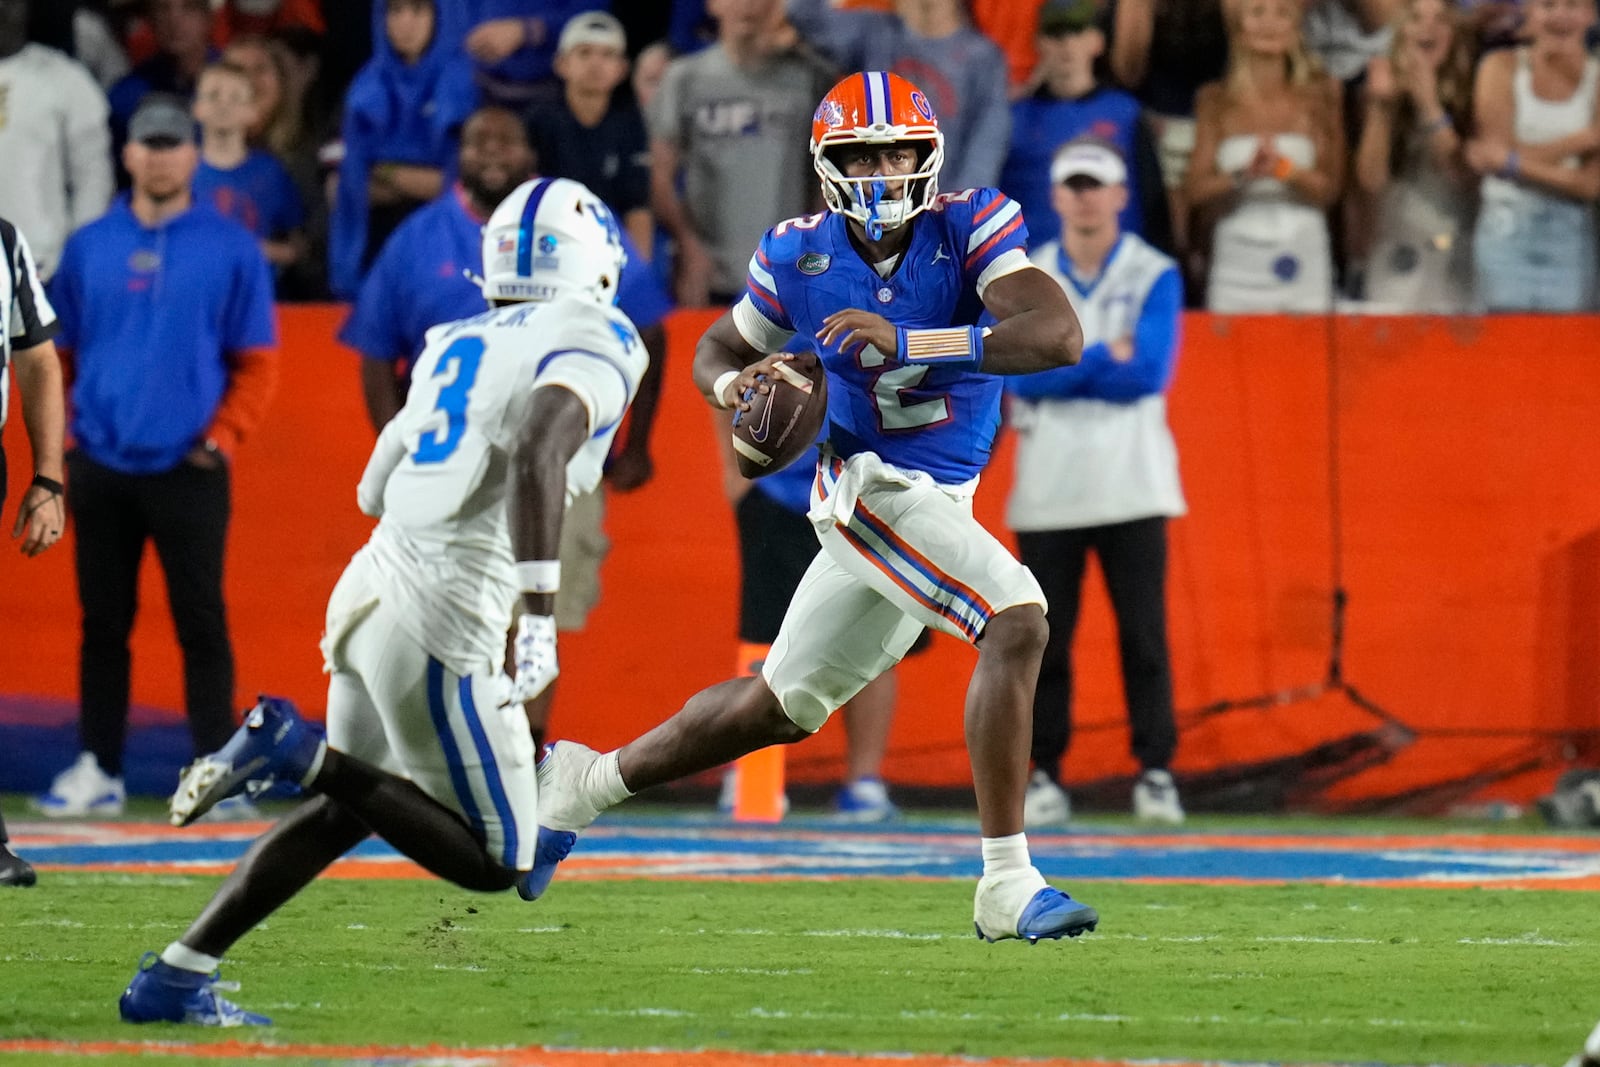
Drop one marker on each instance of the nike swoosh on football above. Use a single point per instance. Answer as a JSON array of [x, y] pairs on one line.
[[758, 433]]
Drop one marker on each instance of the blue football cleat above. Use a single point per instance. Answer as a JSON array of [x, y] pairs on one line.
[[1053, 914], [160, 993], [552, 847], [1020, 905], [274, 743]]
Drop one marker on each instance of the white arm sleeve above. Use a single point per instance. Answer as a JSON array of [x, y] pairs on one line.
[[386, 455], [759, 331], [1008, 262]]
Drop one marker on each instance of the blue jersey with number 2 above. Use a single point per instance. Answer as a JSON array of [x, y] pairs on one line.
[[934, 419]]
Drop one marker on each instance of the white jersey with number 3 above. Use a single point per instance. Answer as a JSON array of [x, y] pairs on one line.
[[442, 548]]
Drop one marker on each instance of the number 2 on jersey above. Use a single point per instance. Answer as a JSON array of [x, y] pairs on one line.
[[464, 354], [891, 390]]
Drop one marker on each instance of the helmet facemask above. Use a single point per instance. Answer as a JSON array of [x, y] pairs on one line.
[[865, 199]]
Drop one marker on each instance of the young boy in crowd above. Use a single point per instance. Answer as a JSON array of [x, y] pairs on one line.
[[248, 185], [589, 136]]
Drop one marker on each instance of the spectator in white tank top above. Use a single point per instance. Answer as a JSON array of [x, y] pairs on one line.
[[1268, 162], [1538, 151]]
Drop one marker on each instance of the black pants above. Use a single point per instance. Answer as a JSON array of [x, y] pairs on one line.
[[1133, 558], [185, 513]]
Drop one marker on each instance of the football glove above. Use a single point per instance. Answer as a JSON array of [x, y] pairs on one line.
[[535, 652]]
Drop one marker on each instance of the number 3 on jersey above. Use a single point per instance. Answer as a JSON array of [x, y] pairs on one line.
[[464, 355]]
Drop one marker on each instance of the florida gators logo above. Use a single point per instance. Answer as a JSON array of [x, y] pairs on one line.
[[830, 113], [920, 102], [813, 262]]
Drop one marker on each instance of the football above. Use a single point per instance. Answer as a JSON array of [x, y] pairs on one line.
[[783, 422]]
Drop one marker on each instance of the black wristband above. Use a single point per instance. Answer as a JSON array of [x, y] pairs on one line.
[[55, 487]]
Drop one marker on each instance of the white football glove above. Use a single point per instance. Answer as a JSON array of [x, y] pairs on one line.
[[535, 652]]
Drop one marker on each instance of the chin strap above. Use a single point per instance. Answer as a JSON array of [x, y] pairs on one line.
[[874, 226]]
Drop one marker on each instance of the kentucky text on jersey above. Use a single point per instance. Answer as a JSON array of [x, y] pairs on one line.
[[928, 418]]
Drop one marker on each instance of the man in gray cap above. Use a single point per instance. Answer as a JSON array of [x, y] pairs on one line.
[[1097, 472], [167, 321]]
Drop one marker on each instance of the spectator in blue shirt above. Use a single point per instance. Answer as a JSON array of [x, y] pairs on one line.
[[424, 276], [248, 185], [1070, 103], [402, 115], [167, 324]]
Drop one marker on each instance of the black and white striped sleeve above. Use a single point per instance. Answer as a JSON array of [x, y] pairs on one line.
[[31, 319]]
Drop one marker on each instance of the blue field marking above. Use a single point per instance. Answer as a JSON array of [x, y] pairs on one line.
[[802, 848]]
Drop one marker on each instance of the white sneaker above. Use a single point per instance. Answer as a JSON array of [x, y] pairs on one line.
[[864, 800], [564, 798], [238, 808], [1045, 803], [1155, 798], [82, 789]]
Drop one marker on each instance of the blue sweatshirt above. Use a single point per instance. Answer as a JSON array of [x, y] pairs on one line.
[[152, 316], [400, 113]]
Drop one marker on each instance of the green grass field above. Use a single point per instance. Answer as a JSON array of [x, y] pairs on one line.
[[1198, 973]]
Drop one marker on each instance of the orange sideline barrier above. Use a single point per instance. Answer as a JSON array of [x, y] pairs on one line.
[[1470, 523]]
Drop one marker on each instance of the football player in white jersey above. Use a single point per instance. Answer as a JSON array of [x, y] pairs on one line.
[[1097, 470], [510, 415]]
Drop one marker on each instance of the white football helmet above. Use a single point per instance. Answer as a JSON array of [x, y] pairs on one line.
[[552, 236], [876, 107]]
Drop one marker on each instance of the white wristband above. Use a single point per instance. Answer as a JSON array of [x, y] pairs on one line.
[[539, 575], [720, 387]]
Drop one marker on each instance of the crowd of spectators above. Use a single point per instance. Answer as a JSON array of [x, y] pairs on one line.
[[1292, 155]]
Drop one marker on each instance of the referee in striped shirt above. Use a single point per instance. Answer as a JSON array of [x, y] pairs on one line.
[[27, 324]]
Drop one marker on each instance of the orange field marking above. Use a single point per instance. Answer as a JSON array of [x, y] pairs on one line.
[[635, 868], [393, 1056]]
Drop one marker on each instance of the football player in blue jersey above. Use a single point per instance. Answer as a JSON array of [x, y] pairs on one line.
[[892, 286]]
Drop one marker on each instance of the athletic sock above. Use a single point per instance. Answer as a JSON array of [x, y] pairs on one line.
[[184, 958], [604, 781], [1002, 855]]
